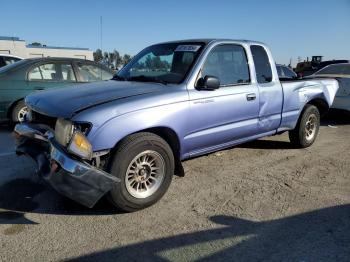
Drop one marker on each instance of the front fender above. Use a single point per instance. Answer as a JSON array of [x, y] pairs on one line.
[[173, 116]]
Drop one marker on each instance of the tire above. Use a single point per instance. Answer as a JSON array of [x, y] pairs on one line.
[[18, 111], [125, 195], [306, 131]]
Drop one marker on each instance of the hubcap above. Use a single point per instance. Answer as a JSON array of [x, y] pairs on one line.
[[145, 174], [21, 114], [310, 127]]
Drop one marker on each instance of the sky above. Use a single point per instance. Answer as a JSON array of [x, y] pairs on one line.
[[291, 29]]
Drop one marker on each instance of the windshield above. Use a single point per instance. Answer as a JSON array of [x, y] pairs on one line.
[[165, 63], [13, 65], [337, 69]]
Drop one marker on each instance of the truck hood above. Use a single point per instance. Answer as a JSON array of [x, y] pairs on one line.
[[65, 102]]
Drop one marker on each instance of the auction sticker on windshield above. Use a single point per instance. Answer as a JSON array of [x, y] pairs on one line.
[[187, 48]]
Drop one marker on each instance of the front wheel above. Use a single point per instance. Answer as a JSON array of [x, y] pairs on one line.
[[306, 131], [144, 163]]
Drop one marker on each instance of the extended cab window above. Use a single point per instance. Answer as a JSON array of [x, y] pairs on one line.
[[262, 64], [228, 63]]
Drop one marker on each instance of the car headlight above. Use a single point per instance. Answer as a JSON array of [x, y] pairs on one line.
[[72, 136], [63, 131], [80, 146]]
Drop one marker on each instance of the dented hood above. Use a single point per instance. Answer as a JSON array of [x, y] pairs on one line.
[[65, 102]]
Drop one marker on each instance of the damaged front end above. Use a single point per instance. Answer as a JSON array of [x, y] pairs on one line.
[[67, 174]]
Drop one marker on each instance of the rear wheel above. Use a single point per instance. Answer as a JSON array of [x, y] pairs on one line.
[[306, 131], [144, 163], [19, 111]]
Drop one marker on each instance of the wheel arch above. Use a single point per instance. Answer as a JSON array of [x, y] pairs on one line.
[[320, 104], [12, 106], [171, 137]]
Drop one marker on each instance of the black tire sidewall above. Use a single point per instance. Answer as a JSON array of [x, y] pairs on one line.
[[119, 195]]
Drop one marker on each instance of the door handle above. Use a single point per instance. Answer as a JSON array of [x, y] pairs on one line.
[[251, 96], [39, 88]]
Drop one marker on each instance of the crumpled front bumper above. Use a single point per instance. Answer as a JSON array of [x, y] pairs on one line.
[[71, 177]]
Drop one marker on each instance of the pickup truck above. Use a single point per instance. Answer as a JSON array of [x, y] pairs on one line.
[[126, 137]]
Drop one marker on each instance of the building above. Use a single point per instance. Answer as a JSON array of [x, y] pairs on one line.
[[18, 47]]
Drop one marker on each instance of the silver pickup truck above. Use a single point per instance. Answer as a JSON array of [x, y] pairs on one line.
[[126, 137]]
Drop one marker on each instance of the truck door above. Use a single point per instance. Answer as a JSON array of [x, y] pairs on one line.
[[228, 114], [270, 90]]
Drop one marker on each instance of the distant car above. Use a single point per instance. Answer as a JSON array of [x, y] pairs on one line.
[[285, 73], [342, 73], [331, 62], [8, 59], [20, 79]]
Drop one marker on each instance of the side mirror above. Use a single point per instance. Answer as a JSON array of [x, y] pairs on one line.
[[208, 83]]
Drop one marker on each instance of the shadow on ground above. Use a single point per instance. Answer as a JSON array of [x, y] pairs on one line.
[[321, 235], [336, 118], [23, 195], [267, 144]]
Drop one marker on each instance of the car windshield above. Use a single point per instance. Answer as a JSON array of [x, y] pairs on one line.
[[164, 63], [337, 69], [13, 65]]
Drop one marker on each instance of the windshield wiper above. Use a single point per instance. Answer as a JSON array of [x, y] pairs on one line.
[[143, 78], [118, 78]]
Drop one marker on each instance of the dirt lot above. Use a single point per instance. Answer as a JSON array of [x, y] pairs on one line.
[[261, 201]]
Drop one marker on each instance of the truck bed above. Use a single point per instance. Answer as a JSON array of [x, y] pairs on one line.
[[298, 92]]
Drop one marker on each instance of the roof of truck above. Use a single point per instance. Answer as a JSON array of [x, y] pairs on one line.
[[209, 40]]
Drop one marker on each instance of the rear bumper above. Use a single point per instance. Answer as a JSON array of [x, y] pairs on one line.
[[71, 177]]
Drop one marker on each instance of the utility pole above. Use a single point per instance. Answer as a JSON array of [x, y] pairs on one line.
[[101, 34], [101, 42]]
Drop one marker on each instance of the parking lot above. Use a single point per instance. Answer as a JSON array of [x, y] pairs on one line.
[[258, 201]]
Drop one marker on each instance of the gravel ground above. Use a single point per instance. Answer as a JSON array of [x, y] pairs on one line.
[[260, 201]]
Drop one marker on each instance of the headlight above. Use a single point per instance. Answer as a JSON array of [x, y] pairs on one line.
[[63, 131], [73, 137], [80, 146]]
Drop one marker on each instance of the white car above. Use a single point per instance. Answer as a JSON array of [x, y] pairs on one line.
[[8, 59], [342, 73]]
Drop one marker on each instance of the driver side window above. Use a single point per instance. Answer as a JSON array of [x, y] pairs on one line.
[[228, 63]]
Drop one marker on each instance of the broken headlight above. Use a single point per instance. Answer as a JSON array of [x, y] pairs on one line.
[[73, 137], [63, 131]]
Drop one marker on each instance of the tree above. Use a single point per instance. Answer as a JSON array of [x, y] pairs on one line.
[[36, 44], [148, 62], [126, 59], [98, 55], [157, 63], [118, 59], [111, 60]]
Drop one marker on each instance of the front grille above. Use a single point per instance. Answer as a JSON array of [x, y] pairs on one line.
[[43, 119]]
